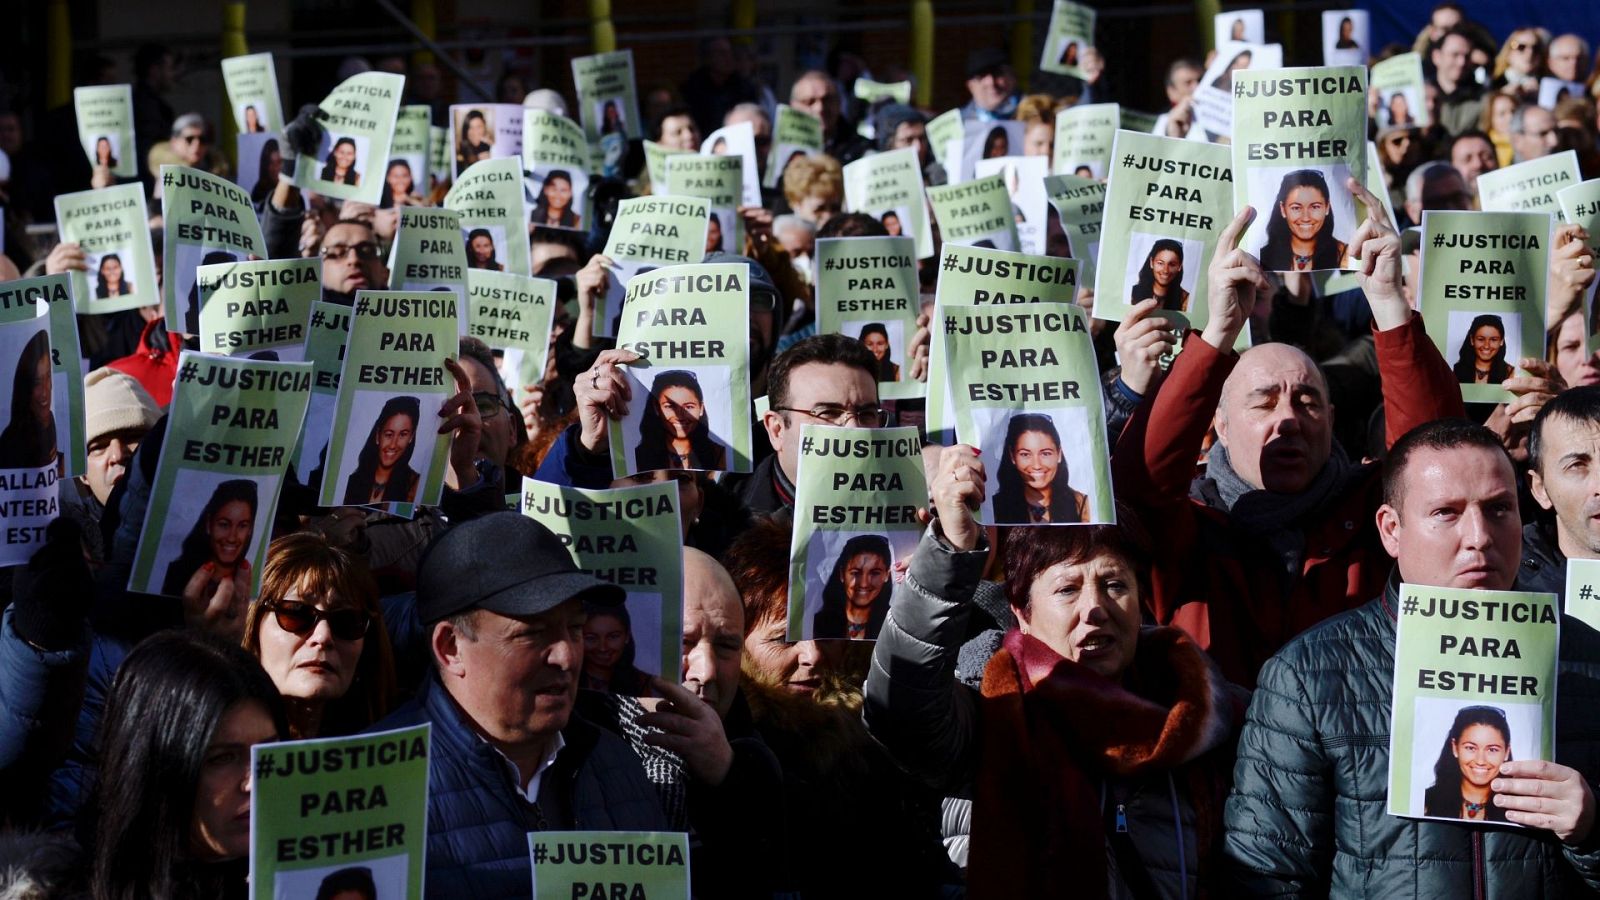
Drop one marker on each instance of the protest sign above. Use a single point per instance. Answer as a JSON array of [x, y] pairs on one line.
[[1580, 205], [888, 187], [608, 104], [1246, 26], [260, 165], [513, 313], [599, 864], [1212, 102], [208, 220], [439, 154], [1583, 591], [428, 254], [869, 92], [794, 133], [1346, 37], [1133, 120], [976, 213], [494, 217], [719, 180], [1167, 201], [738, 140], [944, 130], [39, 417], [857, 491], [1298, 136], [1335, 281], [47, 300], [691, 385], [655, 161], [105, 127], [1402, 92], [983, 140], [258, 309], [1024, 180], [1483, 294], [405, 181], [341, 817], [252, 85], [1474, 686], [356, 133], [631, 537], [1078, 204], [1529, 186], [231, 429], [1554, 90], [1083, 139], [976, 276], [555, 163], [484, 131], [1027, 394], [112, 227], [867, 289], [385, 446], [649, 232], [1071, 33], [327, 335]]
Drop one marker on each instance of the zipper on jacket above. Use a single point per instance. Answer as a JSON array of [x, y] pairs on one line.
[[1477, 866], [1122, 818]]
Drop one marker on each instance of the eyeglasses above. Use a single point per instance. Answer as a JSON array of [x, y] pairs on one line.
[[191, 138], [489, 405], [363, 250], [1520, 46], [763, 301], [302, 618], [837, 413]]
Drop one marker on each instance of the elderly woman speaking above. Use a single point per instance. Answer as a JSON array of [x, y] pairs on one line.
[[1097, 750]]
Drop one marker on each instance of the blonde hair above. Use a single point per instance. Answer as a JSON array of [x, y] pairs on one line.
[[1037, 108], [813, 175]]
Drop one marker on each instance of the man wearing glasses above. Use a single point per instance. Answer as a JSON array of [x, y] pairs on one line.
[[351, 262]]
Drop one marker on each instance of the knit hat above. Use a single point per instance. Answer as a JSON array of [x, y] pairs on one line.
[[114, 401]]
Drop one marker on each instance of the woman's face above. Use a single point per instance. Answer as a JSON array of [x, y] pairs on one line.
[[1500, 117], [274, 164], [1087, 611], [1578, 366], [111, 268], [998, 145], [1037, 457], [1305, 209], [1486, 343], [713, 234], [475, 130], [399, 179], [252, 119], [1524, 56], [797, 665], [1347, 29], [681, 410], [557, 193], [1237, 34], [220, 825], [229, 529], [102, 151], [1167, 267], [1480, 750], [394, 436], [39, 397], [604, 639], [344, 155], [864, 576], [482, 249], [311, 666], [877, 343], [1038, 139], [1398, 107], [891, 223], [680, 133]]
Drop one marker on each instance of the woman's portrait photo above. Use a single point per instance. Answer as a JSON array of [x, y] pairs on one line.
[[383, 472], [473, 138], [556, 205], [384, 878], [1069, 54], [483, 249], [1481, 358], [1084, 170], [1397, 110], [675, 429], [217, 546], [1224, 82], [611, 652], [105, 151], [1300, 228], [1161, 276], [1236, 32], [1479, 740], [1347, 35], [714, 233], [609, 114], [855, 595], [1031, 478], [110, 279], [997, 143], [269, 168], [252, 120], [399, 185], [29, 438], [881, 338], [341, 166], [893, 224]]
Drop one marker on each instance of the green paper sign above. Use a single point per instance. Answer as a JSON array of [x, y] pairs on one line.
[[47, 300], [105, 127], [231, 429], [386, 448], [888, 187], [1084, 135], [1027, 393], [631, 537], [1483, 294], [975, 213], [608, 101], [439, 145], [942, 130], [112, 227], [1080, 205], [327, 334], [355, 140], [209, 221], [655, 162], [794, 134], [252, 85], [555, 162], [1298, 136], [1133, 120], [691, 387], [1071, 33], [1332, 282], [258, 307], [867, 289], [568, 865], [1583, 591], [513, 314], [1469, 667], [493, 216], [870, 92], [407, 174], [649, 232], [341, 817], [857, 491], [720, 181], [1580, 205], [428, 254], [1530, 186], [1402, 92]]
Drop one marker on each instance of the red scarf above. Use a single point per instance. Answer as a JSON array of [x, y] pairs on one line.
[[1054, 730]]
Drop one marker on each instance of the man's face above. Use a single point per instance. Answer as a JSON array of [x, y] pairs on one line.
[[809, 385], [680, 133], [343, 269], [1446, 190], [1450, 59], [912, 134], [1182, 85], [1566, 58], [819, 97], [190, 145], [1473, 157], [1538, 137], [1275, 419], [1568, 482], [498, 435], [991, 87], [713, 631], [109, 455], [1457, 525], [517, 676]]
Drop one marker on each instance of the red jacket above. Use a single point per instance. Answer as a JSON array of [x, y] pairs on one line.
[[156, 370], [1214, 582]]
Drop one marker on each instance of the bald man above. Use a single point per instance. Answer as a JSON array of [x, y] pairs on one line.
[[1278, 534]]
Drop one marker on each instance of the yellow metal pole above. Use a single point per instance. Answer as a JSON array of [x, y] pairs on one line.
[[922, 50], [744, 19], [1023, 57], [427, 22], [603, 31], [58, 75], [231, 43], [1205, 12]]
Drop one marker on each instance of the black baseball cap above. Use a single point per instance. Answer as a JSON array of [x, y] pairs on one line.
[[507, 563]]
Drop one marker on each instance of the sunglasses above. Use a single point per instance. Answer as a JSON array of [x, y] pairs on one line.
[[301, 618]]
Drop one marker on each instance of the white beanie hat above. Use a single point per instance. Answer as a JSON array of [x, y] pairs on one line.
[[115, 401]]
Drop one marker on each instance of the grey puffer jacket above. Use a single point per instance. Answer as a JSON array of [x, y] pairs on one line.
[[1307, 815]]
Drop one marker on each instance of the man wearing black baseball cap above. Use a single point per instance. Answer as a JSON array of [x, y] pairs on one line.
[[993, 85], [502, 603]]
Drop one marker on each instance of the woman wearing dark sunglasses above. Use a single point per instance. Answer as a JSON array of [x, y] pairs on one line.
[[318, 631]]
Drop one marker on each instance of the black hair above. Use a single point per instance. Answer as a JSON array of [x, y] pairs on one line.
[[1277, 254], [196, 548], [1440, 434], [1443, 797], [330, 169], [1010, 499], [358, 488], [1145, 287], [27, 441], [472, 260], [676, 110], [1579, 404], [1466, 367], [626, 678], [541, 208], [354, 878], [102, 290], [831, 621], [831, 349], [263, 188], [852, 224], [386, 197], [654, 439], [887, 370]]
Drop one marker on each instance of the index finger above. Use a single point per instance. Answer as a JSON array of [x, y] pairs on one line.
[[1375, 209], [683, 700], [617, 356], [1230, 235], [463, 383]]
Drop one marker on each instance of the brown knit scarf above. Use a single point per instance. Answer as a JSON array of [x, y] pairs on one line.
[[1054, 730]]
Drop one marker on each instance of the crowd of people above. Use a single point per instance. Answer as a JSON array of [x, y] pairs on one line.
[[1191, 701]]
